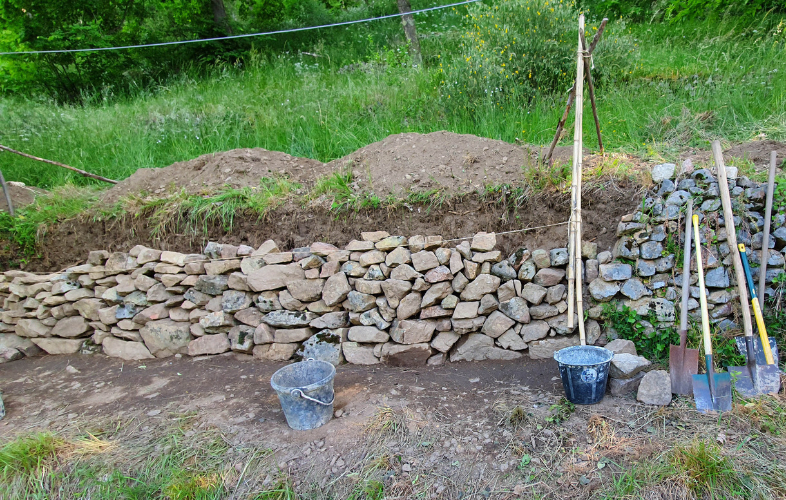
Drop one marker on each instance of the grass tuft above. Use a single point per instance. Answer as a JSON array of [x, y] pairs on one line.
[[27, 456]]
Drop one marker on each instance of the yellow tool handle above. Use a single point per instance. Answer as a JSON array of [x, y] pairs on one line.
[[765, 341], [705, 317]]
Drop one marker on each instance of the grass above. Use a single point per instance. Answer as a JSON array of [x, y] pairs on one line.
[[682, 85]]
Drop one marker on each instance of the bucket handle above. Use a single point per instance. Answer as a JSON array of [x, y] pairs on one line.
[[298, 392]]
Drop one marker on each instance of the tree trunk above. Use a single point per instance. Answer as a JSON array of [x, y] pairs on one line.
[[220, 16], [409, 29]]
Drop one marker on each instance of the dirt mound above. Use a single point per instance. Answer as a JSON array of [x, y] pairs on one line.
[[21, 196], [236, 168], [456, 163]]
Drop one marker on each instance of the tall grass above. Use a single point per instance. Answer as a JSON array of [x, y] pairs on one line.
[[680, 85]]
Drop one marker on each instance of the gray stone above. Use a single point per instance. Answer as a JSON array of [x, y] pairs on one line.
[[32, 328], [165, 337], [59, 346], [335, 289], [307, 290], [510, 340], [275, 352], [504, 270], [527, 270], [484, 242], [543, 311], [663, 172], [405, 355], [554, 294], [628, 228], [405, 272], [678, 198], [367, 334], [483, 284], [545, 349], [397, 257], [507, 290], [441, 273], [634, 289], [211, 285], [129, 351], [459, 282], [645, 268], [209, 344], [559, 323], [651, 250], [152, 313], [626, 365], [353, 269], [663, 308], [466, 310], [558, 257], [274, 277], [622, 387], [655, 388], [412, 331], [625, 248], [488, 303], [449, 302], [359, 302], [548, 277], [409, 306], [479, 347], [374, 318], [496, 324], [291, 335], [424, 260], [234, 300], [516, 309], [390, 243], [535, 330], [358, 354], [534, 294], [293, 319], [462, 326], [616, 271], [323, 346], [268, 302], [395, 290], [444, 341], [541, 258], [250, 316], [717, 278], [74, 326], [620, 346]]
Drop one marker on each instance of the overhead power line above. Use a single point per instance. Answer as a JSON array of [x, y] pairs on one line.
[[231, 37]]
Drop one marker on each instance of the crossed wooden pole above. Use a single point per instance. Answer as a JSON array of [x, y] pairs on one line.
[[572, 93]]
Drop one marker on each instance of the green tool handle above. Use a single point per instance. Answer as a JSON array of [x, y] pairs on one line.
[[705, 317], [765, 341]]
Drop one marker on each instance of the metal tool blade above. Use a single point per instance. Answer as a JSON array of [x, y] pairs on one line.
[[683, 364], [705, 400], [759, 352]]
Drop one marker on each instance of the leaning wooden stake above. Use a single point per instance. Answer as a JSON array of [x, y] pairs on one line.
[[574, 236], [591, 88], [572, 97], [7, 195], [81, 172], [765, 245]]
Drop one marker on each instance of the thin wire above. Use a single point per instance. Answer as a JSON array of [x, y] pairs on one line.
[[231, 37]]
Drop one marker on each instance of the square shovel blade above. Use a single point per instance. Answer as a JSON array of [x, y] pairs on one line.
[[751, 381], [758, 351], [683, 364], [706, 401]]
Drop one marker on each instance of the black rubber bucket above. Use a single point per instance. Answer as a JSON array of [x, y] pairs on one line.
[[584, 370]]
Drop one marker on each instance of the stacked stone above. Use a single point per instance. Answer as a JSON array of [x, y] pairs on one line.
[[641, 270], [626, 369], [382, 299]]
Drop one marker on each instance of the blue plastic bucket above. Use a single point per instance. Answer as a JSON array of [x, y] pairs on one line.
[[584, 370], [305, 391]]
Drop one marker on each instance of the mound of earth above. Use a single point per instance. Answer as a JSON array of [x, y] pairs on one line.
[[757, 152], [236, 168], [455, 163], [21, 195]]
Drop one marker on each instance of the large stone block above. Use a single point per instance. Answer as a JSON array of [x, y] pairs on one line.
[[166, 337], [479, 347], [274, 277], [412, 331]]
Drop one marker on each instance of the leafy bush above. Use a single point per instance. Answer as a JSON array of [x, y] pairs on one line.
[[515, 49], [653, 345]]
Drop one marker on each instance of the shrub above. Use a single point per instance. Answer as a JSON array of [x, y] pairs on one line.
[[515, 49]]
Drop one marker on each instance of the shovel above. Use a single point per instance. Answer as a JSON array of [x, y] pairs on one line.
[[756, 378], [712, 391], [684, 363]]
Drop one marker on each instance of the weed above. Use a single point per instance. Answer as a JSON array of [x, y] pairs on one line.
[[283, 490], [26, 456], [560, 411], [653, 344], [708, 471], [368, 490]]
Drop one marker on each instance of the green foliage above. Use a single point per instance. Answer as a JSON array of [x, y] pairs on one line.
[[561, 411], [32, 221], [707, 468], [27, 455], [653, 345], [679, 10]]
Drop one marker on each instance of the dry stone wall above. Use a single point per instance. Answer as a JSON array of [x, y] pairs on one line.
[[381, 299]]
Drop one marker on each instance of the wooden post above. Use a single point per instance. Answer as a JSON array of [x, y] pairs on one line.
[[80, 172], [591, 89], [410, 31], [572, 95], [765, 246]]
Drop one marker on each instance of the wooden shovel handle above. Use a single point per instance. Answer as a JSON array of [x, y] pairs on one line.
[[705, 317]]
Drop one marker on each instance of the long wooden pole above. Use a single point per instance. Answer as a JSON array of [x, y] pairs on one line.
[[63, 165], [765, 247], [572, 97], [591, 89], [731, 237], [578, 151], [574, 248], [7, 195]]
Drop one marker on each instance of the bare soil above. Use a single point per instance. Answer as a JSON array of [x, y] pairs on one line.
[[757, 152], [21, 196], [236, 168], [293, 225]]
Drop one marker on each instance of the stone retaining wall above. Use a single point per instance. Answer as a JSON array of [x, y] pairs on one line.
[[381, 299]]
